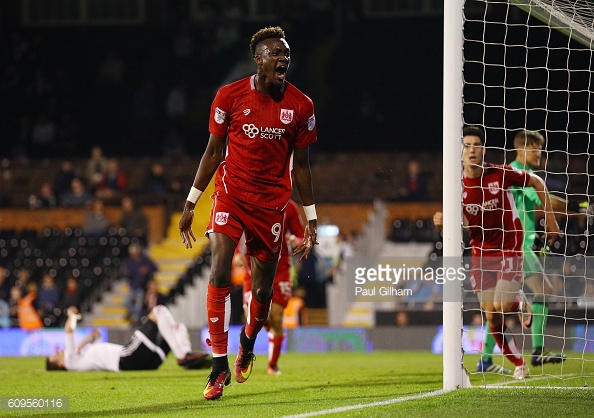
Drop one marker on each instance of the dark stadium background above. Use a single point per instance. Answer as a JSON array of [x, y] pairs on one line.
[[376, 82]]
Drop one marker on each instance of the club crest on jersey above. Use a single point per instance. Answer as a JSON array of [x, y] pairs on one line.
[[493, 187], [286, 116], [219, 115], [221, 218]]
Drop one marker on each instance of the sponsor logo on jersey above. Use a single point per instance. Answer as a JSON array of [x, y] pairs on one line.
[[246, 112], [286, 116], [264, 132], [221, 218], [250, 130], [219, 115], [474, 209], [493, 187], [311, 123]]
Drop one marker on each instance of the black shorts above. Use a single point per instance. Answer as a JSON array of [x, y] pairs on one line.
[[146, 350]]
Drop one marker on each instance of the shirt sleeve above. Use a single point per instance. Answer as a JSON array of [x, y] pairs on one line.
[[306, 133], [218, 123], [514, 177], [70, 351]]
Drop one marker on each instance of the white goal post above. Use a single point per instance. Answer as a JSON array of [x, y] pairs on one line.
[[541, 54]]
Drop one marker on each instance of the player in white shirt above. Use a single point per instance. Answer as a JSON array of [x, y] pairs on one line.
[[147, 349]]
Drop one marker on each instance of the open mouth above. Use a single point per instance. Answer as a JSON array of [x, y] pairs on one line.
[[281, 71]]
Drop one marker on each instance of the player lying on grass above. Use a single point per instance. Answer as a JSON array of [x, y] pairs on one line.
[[495, 232], [147, 349]]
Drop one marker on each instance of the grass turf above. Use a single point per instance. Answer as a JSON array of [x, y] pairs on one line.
[[378, 384]]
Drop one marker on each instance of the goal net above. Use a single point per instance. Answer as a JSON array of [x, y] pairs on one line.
[[527, 64]]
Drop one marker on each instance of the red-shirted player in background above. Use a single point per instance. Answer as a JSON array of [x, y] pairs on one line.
[[266, 125], [495, 232], [283, 286]]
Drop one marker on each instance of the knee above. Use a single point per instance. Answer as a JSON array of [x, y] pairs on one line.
[[220, 277], [262, 294]]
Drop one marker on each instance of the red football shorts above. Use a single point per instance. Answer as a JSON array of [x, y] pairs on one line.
[[487, 270], [263, 227]]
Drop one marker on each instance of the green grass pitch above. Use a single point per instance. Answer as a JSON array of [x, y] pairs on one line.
[[378, 384]]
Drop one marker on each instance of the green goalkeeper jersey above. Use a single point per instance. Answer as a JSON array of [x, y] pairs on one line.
[[526, 199]]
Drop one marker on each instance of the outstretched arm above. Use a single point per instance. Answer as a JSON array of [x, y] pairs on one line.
[[210, 161], [302, 176]]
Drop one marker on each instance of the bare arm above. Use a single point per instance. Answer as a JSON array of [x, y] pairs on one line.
[[210, 161], [302, 177], [552, 228], [91, 338]]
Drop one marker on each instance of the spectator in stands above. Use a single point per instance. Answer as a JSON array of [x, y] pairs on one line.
[[63, 179], [134, 221], [156, 182], [152, 297], [137, 269], [113, 182], [48, 296], [416, 184], [4, 314], [5, 284], [96, 166], [401, 319], [13, 306], [78, 196], [71, 295], [295, 314], [96, 221], [22, 280], [46, 198], [177, 194], [26, 311]]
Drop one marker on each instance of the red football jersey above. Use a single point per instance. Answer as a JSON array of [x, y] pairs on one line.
[[489, 206], [261, 135]]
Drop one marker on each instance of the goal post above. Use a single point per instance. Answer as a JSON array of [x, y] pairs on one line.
[[511, 65], [453, 372]]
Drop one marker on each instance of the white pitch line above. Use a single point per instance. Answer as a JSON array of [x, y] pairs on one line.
[[368, 405]]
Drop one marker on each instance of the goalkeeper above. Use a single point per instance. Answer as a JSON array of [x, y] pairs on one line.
[[528, 145]]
